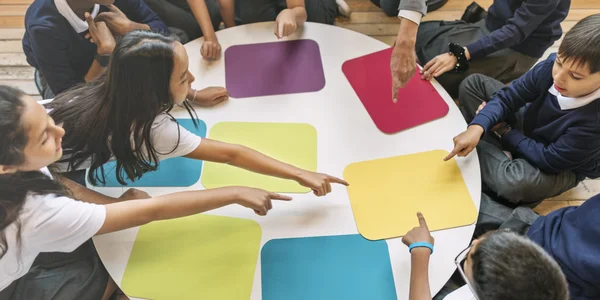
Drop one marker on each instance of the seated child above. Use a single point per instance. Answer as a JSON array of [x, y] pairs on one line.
[[498, 266], [548, 120], [570, 235], [504, 45], [58, 44], [38, 215]]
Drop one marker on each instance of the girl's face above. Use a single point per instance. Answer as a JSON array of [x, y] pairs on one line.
[[572, 79], [181, 78], [43, 138]]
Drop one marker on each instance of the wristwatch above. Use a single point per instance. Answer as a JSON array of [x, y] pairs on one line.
[[462, 64], [502, 131], [102, 59]]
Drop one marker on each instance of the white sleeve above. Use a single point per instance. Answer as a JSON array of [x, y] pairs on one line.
[[414, 16], [61, 224], [170, 139], [463, 293]]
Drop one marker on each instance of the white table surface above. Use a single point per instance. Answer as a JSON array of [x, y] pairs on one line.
[[345, 134]]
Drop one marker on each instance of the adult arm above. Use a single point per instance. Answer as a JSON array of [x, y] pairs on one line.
[[525, 20]]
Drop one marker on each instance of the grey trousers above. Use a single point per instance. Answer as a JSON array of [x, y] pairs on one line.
[[179, 17], [515, 180], [504, 65]]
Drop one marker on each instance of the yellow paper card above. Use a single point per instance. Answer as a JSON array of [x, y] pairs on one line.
[[386, 194], [292, 143], [197, 257]]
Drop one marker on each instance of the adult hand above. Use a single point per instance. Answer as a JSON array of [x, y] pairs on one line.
[[116, 20], [438, 66], [418, 234], [100, 35], [404, 59], [209, 96], [258, 200], [465, 142], [211, 49], [318, 182], [132, 194], [285, 24]]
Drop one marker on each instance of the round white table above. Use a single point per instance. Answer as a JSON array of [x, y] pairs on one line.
[[345, 134]]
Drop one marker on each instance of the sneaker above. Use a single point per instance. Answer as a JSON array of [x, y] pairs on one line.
[[343, 8]]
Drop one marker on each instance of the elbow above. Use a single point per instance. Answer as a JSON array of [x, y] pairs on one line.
[[232, 156]]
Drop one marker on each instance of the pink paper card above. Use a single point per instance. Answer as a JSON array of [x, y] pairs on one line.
[[371, 79]]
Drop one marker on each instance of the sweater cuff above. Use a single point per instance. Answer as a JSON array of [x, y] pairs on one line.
[[482, 121], [475, 50], [513, 137]]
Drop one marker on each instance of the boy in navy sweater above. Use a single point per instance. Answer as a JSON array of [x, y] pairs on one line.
[[548, 120], [70, 42]]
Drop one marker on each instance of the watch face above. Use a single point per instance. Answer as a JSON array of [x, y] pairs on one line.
[[103, 60]]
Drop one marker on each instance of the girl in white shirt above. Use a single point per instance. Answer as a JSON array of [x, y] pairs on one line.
[[37, 214], [124, 115]]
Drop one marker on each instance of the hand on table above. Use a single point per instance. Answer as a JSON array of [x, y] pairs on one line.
[[258, 200], [438, 66], [211, 49], [133, 194], [285, 24], [318, 182], [418, 234], [116, 20], [100, 35], [465, 142], [209, 96], [402, 64]]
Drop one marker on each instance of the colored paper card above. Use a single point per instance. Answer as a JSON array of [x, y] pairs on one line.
[[197, 257], [371, 79], [330, 267], [386, 194], [292, 143], [178, 171], [275, 68]]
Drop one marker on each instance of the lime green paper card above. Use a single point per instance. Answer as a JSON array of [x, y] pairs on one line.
[[197, 257], [292, 143]]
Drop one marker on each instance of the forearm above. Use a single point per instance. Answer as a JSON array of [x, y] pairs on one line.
[[407, 33], [133, 213], [84, 194], [227, 9], [300, 13], [419, 274], [257, 162], [94, 72], [139, 26], [201, 14]]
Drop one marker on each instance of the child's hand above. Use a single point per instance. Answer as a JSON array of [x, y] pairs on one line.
[[285, 24], [209, 96], [481, 106], [100, 35], [465, 142], [319, 183], [438, 66], [418, 234], [257, 199], [116, 21], [211, 49]]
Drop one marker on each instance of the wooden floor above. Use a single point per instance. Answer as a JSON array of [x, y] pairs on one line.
[[366, 18]]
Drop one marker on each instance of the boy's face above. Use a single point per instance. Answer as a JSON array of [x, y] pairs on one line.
[[572, 79]]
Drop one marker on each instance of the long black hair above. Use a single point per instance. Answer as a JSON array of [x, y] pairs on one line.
[[15, 187], [113, 115]]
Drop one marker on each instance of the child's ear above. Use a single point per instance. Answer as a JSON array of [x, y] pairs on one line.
[[7, 169]]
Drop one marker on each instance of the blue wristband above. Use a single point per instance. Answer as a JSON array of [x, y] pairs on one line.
[[420, 245]]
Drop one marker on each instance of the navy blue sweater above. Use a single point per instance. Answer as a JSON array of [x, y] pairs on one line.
[[552, 139], [529, 27], [59, 52], [572, 236]]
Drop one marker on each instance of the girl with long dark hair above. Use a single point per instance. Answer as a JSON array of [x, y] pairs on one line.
[[37, 214], [124, 115]]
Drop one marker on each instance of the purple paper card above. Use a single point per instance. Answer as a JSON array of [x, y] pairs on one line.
[[273, 68]]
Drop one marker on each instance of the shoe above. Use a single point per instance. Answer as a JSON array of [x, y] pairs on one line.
[[343, 8], [435, 4], [473, 13]]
